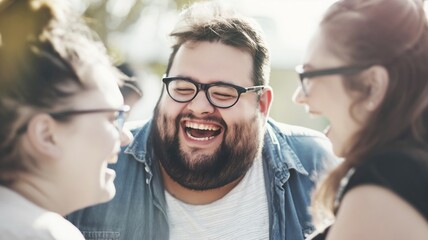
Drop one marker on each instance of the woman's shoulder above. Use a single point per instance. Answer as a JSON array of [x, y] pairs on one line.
[[47, 225], [57, 227], [376, 212], [404, 174], [21, 219]]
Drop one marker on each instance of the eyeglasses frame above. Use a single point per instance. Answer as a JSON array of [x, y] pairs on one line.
[[345, 70], [120, 118], [205, 87]]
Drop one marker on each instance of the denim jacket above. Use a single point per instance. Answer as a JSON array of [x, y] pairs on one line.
[[292, 157]]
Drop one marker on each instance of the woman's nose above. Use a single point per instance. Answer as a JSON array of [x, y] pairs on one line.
[[299, 96], [125, 137]]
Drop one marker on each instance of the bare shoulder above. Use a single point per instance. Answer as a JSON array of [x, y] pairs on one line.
[[374, 212]]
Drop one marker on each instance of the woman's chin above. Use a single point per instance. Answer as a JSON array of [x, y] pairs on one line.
[[338, 151], [106, 188], [110, 193], [109, 189], [336, 144]]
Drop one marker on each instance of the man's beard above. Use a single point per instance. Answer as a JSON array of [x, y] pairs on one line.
[[242, 143]]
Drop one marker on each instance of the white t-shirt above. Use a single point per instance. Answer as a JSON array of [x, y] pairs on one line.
[[241, 214], [21, 219]]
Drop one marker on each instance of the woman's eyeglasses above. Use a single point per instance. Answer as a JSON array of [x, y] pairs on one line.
[[306, 75], [120, 115]]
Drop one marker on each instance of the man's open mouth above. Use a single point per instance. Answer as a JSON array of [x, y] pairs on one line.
[[201, 131]]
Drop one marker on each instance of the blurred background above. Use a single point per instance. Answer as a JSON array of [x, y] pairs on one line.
[[136, 34]]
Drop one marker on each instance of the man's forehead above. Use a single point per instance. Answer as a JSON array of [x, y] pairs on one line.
[[213, 62]]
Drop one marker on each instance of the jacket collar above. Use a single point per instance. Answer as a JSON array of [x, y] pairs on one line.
[[285, 157], [138, 147]]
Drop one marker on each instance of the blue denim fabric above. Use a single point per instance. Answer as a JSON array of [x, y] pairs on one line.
[[292, 158]]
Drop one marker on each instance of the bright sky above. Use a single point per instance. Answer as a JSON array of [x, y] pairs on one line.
[[288, 25]]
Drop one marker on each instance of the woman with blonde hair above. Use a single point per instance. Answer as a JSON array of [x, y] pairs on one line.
[[61, 115]]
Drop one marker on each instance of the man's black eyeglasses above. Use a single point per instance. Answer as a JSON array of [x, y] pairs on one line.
[[305, 75], [219, 94], [120, 115]]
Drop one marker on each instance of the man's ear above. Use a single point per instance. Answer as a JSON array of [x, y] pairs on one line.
[[266, 99], [41, 135], [377, 82]]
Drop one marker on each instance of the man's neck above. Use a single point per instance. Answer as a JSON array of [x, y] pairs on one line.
[[195, 197]]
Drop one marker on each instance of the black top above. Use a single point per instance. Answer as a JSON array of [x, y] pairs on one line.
[[405, 175]]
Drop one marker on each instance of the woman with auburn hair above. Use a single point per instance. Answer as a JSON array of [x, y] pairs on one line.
[[61, 115], [365, 71]]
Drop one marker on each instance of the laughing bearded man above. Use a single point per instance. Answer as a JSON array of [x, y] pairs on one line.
[[211, 164]]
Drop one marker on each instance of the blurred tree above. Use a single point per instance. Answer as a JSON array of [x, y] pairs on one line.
[[106, 16], [117, 16]]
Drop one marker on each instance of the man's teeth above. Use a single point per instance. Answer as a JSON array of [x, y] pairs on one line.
[[199, 139], [202, 126]]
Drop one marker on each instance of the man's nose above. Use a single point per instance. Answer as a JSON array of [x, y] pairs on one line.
[[200, 104]]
